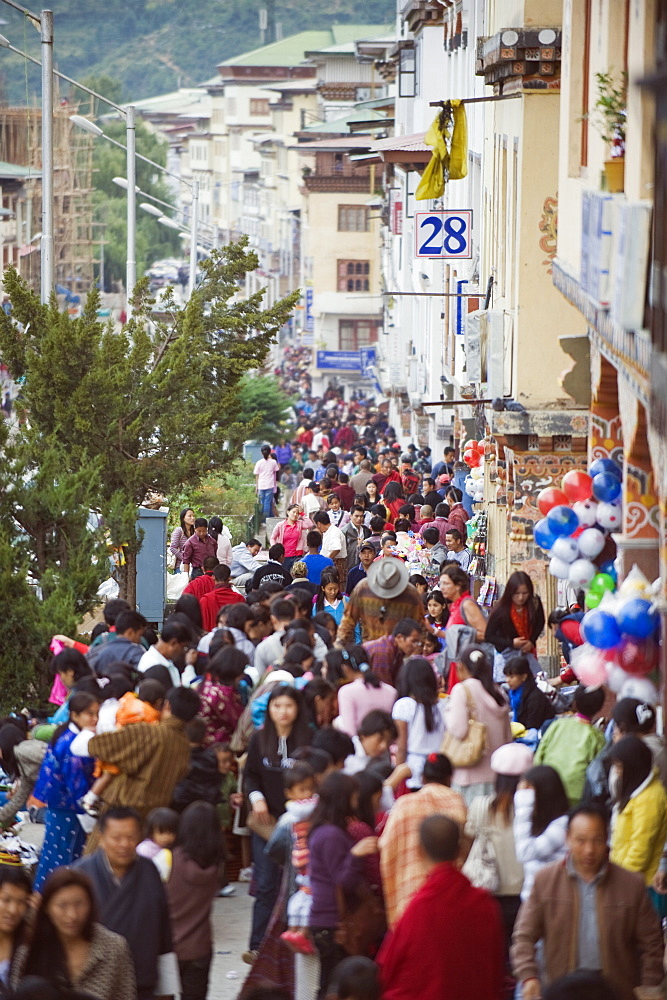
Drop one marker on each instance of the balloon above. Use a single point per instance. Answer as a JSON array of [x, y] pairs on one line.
[[559, 569], [605, 465], [591, 542], [616, 677], [592, 599], [468, 456], [562, 520], [586, 511], [640, 688], [590, 665], [600, 629], [608, 568], [581, 573], [603, 583], [565, 549], [471, 445], [543, 535], [551, 497], [577, 485], [477, 473], [638, 656], [606, 487], [637, 618], [610, 516]]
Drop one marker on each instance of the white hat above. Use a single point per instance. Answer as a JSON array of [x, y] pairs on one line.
[[511, 758], [388, 577]]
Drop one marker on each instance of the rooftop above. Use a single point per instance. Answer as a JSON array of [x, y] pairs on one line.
[[290, 51]]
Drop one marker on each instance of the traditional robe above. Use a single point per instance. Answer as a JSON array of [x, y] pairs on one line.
[[135, 907], [211, 603], [448, 945]]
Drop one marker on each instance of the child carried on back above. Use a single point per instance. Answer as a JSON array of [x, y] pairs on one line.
[[299, 783]]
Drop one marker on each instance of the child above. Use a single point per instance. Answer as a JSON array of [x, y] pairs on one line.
[[431, 646], [144, 706], [230, 799], [329, 597], [419, 583], [371, 744], [528, 705], [299, 783], [355, 978], [161, 829], [437, 613], [202, 782]]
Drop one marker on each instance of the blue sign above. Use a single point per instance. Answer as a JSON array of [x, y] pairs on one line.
[[367, 359], [310, 319], [348, 361], [444, 235]]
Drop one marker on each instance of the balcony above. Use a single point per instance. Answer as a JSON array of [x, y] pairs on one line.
[[337, 183]]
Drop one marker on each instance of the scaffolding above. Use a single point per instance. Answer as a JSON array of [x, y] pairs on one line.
[[20, 144]]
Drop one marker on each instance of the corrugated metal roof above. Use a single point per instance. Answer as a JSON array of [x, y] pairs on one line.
[[339, 125], [290, 51], [335, 145], [13, 171], [413, 143]]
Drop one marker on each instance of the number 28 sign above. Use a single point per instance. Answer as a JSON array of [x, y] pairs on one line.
[[444, 235]]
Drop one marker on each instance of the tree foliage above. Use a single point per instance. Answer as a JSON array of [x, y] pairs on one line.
[[114, 416], [263, 406]]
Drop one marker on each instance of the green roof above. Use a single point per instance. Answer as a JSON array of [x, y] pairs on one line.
[[290, 51], [339, 125], [13, 171]]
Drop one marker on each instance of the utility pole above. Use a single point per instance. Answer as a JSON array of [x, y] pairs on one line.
[[47, 258]]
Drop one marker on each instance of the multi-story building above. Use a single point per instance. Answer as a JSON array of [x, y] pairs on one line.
[[610, 260]]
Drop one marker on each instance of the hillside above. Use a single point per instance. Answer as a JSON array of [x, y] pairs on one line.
[[153, 46]]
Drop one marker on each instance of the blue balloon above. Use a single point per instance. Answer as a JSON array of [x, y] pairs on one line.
[[609, 567], [562, 521], [543, 535], [600, 629], [606, 487], [605, 465], [637, 619]]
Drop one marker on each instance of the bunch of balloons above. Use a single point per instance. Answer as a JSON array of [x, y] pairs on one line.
[[621, 641], [576, 525], [473, 456]]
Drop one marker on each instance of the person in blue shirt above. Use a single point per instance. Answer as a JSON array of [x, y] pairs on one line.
[[366, 556], [284, 452], [313, 560], [63, 780]]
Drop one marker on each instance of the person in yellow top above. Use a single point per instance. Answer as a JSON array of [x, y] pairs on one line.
[[639, 822]]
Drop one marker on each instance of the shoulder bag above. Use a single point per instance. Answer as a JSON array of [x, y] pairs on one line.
[[468, 751], [481, 865], [362, 923]]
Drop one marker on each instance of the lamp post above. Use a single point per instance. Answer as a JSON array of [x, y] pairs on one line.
[[47, 281]]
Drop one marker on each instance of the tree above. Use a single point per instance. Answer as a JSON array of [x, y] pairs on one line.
[[263, 403], [147, 409]]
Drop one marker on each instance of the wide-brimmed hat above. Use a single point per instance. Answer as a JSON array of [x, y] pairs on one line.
[[512, 758], [388, 577]]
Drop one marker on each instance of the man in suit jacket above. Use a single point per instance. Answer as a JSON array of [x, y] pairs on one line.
[[355, 532]]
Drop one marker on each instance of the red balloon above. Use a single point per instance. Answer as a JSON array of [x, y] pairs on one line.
[[638, 656], [551, 497], [471, 445], [577, 485], [476, 462]]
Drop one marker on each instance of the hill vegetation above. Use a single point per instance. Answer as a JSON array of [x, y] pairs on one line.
[[155, 46]]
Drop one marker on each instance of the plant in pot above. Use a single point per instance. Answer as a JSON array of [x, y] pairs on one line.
[[610, 122]]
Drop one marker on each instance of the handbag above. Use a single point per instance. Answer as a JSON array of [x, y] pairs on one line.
[[362, 923], [468, 751], [262, 827], [481, 865]]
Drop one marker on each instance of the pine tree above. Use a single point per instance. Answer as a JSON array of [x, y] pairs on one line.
[[120, 415]]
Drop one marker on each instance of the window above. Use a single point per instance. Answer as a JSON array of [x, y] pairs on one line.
[[353, 219], [356, 333], [407, 73], [353, 275], [259, 106]]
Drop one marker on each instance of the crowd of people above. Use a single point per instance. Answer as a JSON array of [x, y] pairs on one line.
[[417, 809]]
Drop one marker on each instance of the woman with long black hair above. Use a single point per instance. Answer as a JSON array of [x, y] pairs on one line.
[[191, 889], [477, 696], [364, 692], [517, 619], [418, 715], [269, 753], [540, 822], [336, 862], [639, 819], [180, 535]]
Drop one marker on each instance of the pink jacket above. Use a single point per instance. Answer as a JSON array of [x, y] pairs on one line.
[[495, 717], [278, 533]]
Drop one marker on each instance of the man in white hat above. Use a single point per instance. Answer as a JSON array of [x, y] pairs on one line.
[[380, 601]]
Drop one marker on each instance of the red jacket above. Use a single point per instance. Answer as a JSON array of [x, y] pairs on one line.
[[211, 603], [464, 960]]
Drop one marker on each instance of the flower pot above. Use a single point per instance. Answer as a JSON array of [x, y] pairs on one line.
[[614, 171]]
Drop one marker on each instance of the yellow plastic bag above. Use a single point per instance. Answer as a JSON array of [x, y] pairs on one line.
[[445, 163]]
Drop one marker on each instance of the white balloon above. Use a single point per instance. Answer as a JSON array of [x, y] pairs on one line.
[[586, 511], [616, 677], [565, 549], [610, 516], [581, 572], [640, 688], [559, 568], [591, 542]]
